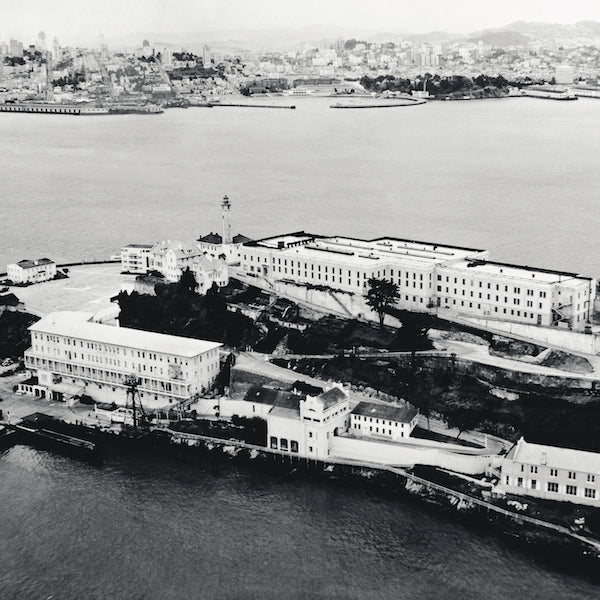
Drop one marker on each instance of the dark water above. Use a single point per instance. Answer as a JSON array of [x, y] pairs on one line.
[[517, 176], [141, 527]]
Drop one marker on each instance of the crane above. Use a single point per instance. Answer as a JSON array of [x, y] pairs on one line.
[[139, 415]]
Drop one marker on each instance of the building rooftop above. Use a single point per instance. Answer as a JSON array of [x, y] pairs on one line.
[[9, 300], [146, 246], [553, 456], [215, 238], [332, 397], [67, 325], [273, 397], [376, 252], [522, 272], [401, 414], [29, 264]]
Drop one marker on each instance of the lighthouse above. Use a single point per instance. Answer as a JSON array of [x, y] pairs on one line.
[[226, 220]]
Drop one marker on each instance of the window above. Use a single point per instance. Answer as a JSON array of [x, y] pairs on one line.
[[591, 478], [590, 493], [519, 482], [553, 472], [273, 442], [533, 469], [572, 475], [552, 486], [533, 484], [283, 443], [572, 490], [293, 445]]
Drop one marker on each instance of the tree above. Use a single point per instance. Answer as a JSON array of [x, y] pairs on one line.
[[187, 282], [381, 294]]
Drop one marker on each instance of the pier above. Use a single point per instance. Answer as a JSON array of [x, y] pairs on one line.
[[41, 109], [289, 107]]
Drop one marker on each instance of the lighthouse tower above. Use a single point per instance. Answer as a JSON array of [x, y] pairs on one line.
[[225, 218]]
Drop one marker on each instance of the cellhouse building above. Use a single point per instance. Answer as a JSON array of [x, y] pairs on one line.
[[72, 356], [449, 281]]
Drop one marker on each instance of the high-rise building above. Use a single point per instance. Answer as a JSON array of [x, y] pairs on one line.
[[56, 54], [41, 42], [206, 56], [15, 48], [564, 75]]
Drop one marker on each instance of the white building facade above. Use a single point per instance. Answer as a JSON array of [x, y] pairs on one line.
[[98, 358], [31, 271], [551, 473], [309, 430], [430, 277], [135, 258], [172, 258], [382, 421]]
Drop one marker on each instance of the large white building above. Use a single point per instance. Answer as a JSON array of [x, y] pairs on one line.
[[135, 258], [431, 277], [172, 258], [70, 355], [31, 271], [551, 473]]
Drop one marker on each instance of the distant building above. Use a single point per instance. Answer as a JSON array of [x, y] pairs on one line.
[[10, 302], [564, 75], [551, 473], [135, 258], [70, 355], [15, 48], [224, 245], [171, 258], [31, 271], [383, 421]]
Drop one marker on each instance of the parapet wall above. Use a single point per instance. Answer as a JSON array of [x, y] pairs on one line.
[[552, 336], [407, 455]]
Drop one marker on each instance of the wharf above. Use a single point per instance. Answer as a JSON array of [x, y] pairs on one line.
[[378, 104], [290, 107], [529, 529]]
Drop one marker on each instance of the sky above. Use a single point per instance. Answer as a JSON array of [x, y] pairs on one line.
[[74, 21]]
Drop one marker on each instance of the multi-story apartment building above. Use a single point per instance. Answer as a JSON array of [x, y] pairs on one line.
[[430, 277], [96, 359], [135, 258], [551, 473], [31, 271]]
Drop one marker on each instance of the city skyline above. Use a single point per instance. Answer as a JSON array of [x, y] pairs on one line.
[[84, 21]]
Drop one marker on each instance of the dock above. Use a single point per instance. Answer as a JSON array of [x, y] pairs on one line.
[[289, 107]]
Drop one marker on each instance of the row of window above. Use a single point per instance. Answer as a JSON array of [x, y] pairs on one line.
[[552, 486], [488, 285], [282, 444], [377, 429], [375, 420], [591, 478], [107, 348]]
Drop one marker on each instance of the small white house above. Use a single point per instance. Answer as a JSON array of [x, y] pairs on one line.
[[31, 271], [383, 421]]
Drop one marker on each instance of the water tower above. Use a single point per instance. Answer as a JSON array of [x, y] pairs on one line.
[[226, 220]]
